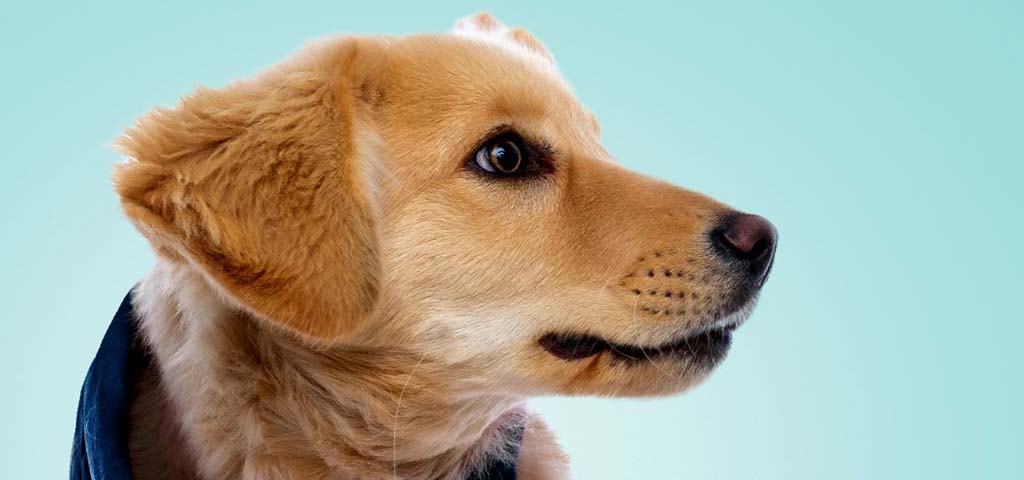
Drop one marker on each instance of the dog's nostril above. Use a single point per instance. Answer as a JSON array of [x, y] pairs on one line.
[[750, 239]]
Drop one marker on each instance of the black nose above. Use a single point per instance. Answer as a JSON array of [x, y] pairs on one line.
[[750, 239]]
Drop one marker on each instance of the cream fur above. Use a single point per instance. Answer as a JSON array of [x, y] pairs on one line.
[[253, 404]]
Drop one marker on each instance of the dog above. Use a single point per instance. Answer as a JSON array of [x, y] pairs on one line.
[[370, 255]]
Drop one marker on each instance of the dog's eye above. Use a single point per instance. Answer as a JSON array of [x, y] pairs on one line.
[[501, 157]]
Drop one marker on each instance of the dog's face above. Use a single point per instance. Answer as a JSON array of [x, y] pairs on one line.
[[446, 197]]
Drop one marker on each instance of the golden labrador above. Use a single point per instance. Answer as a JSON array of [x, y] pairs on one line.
[[371, 254]]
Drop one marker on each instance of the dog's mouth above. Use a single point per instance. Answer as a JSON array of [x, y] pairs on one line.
[[705, 347]]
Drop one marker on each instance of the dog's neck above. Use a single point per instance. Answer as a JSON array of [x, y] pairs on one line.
[[253, 402]]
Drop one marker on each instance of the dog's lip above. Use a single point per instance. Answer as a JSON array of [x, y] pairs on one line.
[[707, 345]]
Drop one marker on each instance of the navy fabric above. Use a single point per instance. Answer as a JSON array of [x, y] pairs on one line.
[[100, 450]]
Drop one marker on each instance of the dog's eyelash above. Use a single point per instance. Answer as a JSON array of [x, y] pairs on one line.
[[546, 150]]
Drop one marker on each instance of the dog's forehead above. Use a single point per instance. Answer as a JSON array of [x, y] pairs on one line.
[[463, 69], [471, 85]]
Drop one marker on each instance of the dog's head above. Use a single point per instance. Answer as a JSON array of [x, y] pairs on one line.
[[445, 197]]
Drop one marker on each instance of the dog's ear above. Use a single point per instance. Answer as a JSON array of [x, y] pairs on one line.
[[267, 188], [484, 25]]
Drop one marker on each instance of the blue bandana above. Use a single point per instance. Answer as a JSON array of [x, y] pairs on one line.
[[100, 450]]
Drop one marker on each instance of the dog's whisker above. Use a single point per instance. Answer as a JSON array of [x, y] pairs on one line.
[[600, 293], [398, 407], [643, 350]]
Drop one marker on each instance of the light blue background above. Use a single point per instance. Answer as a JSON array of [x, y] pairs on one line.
[[884, 139]]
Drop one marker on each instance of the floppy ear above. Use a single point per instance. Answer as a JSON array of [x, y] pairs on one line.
[[485, 25], [265, 187]]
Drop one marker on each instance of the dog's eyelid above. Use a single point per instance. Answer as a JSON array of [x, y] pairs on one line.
[[498, 130], [540, 146]]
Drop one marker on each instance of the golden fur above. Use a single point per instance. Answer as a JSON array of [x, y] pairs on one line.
[[337, 296]]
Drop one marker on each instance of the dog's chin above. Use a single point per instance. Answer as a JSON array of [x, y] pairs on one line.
[[677, 363]]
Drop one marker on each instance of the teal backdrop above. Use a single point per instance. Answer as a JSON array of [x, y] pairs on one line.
[[883, 138]]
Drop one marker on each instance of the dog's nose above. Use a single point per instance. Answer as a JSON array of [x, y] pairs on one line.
[[750, 239]]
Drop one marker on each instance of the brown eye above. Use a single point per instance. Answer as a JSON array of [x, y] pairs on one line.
[[500, 157]]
